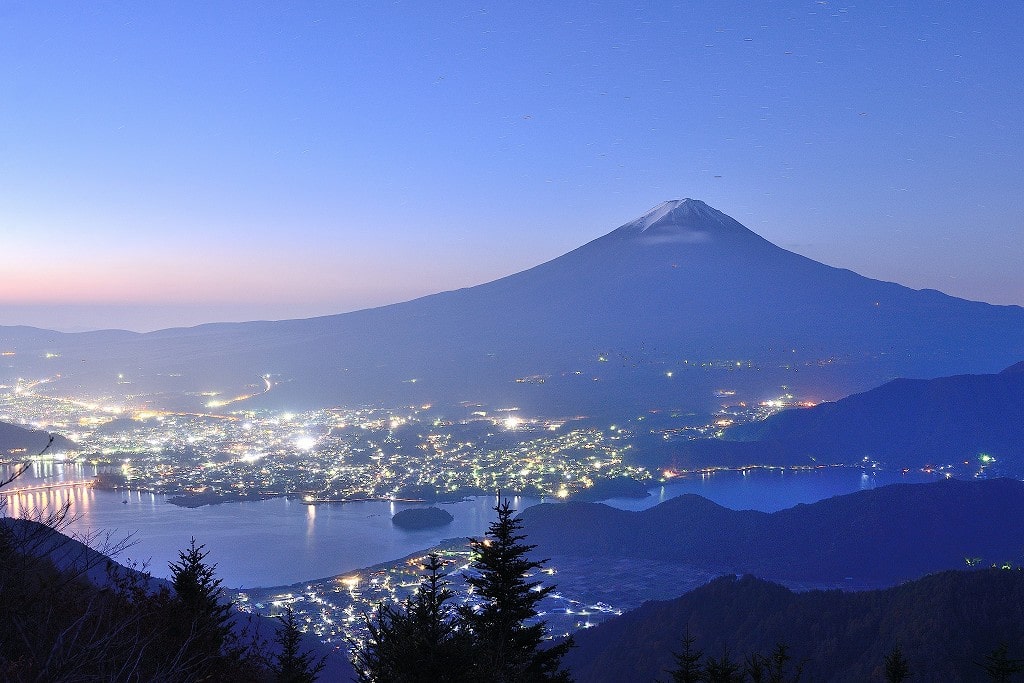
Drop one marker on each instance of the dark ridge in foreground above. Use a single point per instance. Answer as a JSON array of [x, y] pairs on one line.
[[71, 612], [868, 538], [944, 623]]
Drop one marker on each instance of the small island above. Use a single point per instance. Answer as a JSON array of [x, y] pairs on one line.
[[422, 518]]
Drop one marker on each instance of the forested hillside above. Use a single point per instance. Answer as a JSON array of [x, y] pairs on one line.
[[945, 624]]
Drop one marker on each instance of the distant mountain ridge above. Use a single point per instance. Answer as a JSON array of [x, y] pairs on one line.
[[906, 423], [944, 623], [656, 314], [868, 538]]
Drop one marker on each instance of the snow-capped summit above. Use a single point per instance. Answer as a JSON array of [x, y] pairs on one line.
[[682, 220], [675, 211]]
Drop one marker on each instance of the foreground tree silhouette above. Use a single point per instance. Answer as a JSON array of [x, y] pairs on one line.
[[60, 626], [201, 630], [506, 648], [774, 668], [688, 667], [55, 624], [419, 640], [1000, 666], [723, 669], [199, 598], [291, 664], [422, 639], [897, 669], [82, 617]]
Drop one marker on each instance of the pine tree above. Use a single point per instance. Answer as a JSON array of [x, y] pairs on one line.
[[507, 648], [420, 640], [442, 648], [723, 669], [688, 668], [897, 669], [202, 622], [999, 666], [773, 668], [291, 664]]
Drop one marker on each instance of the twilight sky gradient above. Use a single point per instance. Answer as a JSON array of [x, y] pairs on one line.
[[170, 163]]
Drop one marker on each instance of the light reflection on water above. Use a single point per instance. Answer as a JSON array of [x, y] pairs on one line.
[[281, 541]]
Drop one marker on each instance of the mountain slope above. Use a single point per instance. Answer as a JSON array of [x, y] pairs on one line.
[[872, 537], [683, 289], [905, 423], [47, 577], [944, 623], [15, 440], [968, 421]]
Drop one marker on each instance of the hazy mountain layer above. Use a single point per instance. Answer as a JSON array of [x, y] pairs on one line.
[[684, 290], [971, 421]]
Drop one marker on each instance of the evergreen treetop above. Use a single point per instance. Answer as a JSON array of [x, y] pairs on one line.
[[496, 638], [418, 641], [897, 669], [999, 666], [509, 649], [292, 665], [688, 662]]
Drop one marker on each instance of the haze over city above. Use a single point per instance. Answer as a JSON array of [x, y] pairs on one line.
[[173, 164]]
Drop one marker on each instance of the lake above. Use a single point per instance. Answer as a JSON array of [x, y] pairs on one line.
[[279, 541]]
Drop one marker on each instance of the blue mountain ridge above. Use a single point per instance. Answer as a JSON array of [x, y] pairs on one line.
[[872, 537]]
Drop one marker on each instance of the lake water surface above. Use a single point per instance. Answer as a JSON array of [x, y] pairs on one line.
[[279, 541]]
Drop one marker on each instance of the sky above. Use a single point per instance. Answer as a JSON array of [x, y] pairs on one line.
[[173, 163]]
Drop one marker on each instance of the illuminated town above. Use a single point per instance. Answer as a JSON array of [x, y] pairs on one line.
[[408, 454], [350, 454], [588, 591], [347, 453], [334, 608]]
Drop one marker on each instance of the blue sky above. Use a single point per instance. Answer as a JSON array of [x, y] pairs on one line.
[[168, 163]]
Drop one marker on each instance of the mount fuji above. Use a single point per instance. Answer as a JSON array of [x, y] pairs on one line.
[[668, 312]]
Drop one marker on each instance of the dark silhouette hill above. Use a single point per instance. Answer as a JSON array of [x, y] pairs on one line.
[[944, 623], [683, 289], [869, 538], [904, 423], [72, 555], [68, 568], [15, 440]]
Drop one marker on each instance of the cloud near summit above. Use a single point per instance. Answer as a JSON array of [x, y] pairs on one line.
[[677, 237]]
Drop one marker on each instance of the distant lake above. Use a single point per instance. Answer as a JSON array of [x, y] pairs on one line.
[[772, 490], [280, 541]]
